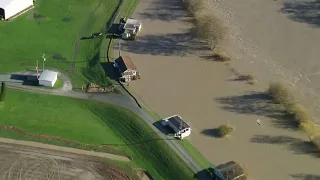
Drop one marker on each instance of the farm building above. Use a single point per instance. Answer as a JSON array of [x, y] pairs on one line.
[[179, 126], [131, 28], [127, 69], [10, 9], [228, 171], [48, 78]]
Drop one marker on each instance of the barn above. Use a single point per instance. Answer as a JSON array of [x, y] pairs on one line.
[[228, 171], [10, 9], [127, 69], [48, 78]]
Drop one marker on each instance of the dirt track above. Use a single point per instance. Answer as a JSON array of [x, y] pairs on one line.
[[30, 163]]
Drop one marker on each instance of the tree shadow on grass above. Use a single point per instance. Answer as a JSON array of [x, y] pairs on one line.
[[167, 11], [66, 19], [303, 11], [114, 29], [86, 37], [258, 103], [176, 44], [297, 146], [211, 132], [305, 176], [150, 137]]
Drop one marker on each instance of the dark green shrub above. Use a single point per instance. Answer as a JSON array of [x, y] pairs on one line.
[[225, 130]]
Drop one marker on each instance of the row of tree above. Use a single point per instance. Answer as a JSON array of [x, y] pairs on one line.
[[2, 91]]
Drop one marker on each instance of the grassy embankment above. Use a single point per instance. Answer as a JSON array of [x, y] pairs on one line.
[[92, 123], [55, 28]]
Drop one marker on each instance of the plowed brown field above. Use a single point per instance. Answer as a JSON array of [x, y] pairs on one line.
[[30, 163]]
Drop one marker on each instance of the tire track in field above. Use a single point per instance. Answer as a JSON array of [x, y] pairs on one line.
[[82, 30], [111, 21]]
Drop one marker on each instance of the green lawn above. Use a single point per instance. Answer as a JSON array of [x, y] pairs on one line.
[[56, 116], [58, 84], [55, 28], [93, 123]]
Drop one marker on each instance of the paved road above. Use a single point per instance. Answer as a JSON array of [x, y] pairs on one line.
[[123, 99]]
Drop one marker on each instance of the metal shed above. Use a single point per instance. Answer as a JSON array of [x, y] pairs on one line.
[[48, 78], [10, 9]]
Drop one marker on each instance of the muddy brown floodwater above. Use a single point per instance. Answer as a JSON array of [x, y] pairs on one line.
[[177, 79]]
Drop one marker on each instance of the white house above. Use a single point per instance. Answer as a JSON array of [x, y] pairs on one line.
[[179, 126], [10, 9], [127, 69], [48, 78]]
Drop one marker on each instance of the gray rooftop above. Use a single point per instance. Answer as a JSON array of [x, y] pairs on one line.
[[178, 122], [47, 75], [231, 170]]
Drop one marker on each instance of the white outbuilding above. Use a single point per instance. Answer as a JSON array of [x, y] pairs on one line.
[[10, 9], [181, 128], [48, 78]]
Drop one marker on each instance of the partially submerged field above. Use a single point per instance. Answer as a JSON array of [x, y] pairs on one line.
[[93, 123], [55, 28]]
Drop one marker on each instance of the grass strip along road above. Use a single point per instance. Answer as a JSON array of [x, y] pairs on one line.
[[93, 123]]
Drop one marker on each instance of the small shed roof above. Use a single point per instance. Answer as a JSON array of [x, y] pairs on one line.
[[124, 63], [47, 75], [178, 122], [231, 170]]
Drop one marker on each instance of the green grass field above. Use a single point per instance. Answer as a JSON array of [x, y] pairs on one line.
[[58, 84], [55, 28], [93, 123]]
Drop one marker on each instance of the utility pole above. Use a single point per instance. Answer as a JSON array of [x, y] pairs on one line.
[[180, 129], [43, 60], [37, 70]]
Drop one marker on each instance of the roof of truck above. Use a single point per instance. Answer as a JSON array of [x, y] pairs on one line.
[[131, 23]]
